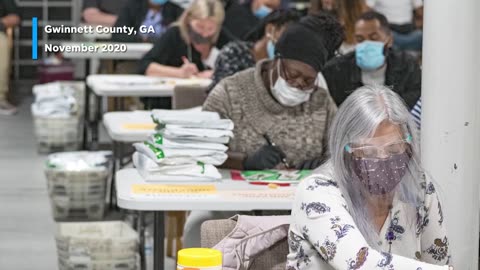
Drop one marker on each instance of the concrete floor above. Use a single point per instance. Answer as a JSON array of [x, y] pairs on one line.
[[26, 223]]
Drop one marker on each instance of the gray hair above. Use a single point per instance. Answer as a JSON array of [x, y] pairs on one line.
[[358, 118]]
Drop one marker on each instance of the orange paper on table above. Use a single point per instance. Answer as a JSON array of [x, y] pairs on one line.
[[139, 126], [173, 189]]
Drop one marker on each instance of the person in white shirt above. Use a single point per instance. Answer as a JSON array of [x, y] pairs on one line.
[[402, 15], [371, 206]]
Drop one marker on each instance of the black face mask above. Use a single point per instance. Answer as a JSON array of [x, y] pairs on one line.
[[197, 38]]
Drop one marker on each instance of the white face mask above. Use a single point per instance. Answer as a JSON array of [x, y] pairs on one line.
[[287, 95]]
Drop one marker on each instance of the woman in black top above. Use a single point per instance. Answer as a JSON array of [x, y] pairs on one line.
[[159, 14], [189, 47]]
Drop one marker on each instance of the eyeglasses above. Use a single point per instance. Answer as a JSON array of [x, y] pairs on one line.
[[373, 151], [292, 80]]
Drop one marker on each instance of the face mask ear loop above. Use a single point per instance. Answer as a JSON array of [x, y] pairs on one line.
[[271, 79], [348, 149], [409, 138], [269, 35], [278, 67], [278, 74]]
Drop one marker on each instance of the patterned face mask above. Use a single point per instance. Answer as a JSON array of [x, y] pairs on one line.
[[380, 176]]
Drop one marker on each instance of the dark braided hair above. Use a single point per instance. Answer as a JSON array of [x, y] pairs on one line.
[[329, 27], [278, 18]]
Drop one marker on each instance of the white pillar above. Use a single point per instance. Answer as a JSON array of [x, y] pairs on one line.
[[450, 118]]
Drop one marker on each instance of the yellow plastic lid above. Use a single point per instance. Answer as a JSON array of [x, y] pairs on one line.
[[199, 257]]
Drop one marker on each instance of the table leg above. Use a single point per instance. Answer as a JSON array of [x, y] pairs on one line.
[[159, 241], [120, 155], [96, 122], [94, 64], [141, 232], [115, 166], [122, 103], [86, 118]]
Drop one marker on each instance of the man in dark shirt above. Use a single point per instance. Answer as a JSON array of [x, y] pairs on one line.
[[102, 12], [149, 13], [242, 16], [374, 61], [9, 17]]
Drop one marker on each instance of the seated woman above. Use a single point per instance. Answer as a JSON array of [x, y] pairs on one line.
[[135, 13], [240, 55], [189, 47], [281, 117], [279, 100], [371, 206]]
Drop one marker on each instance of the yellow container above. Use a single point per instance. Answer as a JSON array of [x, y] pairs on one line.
[[199, 259]]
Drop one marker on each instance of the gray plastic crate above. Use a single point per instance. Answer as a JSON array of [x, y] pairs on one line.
[[78, 192], [109, 245]]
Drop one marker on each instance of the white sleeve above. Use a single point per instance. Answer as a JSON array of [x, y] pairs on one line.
[[321, 215], [434, 240], [416, 3]]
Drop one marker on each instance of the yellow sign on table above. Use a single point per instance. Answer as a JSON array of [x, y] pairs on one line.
[[279, 193], [139, 126], [156, 189]]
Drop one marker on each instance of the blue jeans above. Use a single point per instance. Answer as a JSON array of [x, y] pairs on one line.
[[408, 42]]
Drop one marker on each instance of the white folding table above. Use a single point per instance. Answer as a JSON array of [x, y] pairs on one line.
[[134, 51], [230, 196], [124, 128], [127, 85], [128, 127], [123, 85]]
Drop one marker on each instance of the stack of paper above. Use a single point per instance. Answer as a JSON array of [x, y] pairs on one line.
[[187, 147], [56, 100]]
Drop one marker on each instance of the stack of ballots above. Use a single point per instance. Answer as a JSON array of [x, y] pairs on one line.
[[186, 147]]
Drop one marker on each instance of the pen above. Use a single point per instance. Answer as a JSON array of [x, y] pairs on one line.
[[284, 158], [186, 60], [270, 185]]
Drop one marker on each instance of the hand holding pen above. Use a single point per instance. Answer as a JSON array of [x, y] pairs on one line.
[[283, 156], [266, 157], [188, 69]]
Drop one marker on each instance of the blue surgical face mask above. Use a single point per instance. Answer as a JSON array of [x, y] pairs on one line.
[[270, 49], [158, 2], [369, 55], [262, 12]]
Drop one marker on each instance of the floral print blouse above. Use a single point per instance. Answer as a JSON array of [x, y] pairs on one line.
[[323, 234]]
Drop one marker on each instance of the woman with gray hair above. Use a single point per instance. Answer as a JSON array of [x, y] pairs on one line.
[[371, 206]]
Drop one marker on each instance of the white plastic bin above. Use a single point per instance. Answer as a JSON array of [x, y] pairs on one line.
[[56, 134], [77, 184], [59, 132], [86, 264], [97, 245]]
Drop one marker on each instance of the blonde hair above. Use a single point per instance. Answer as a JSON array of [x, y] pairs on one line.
[[348, 13], [201, 9]]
